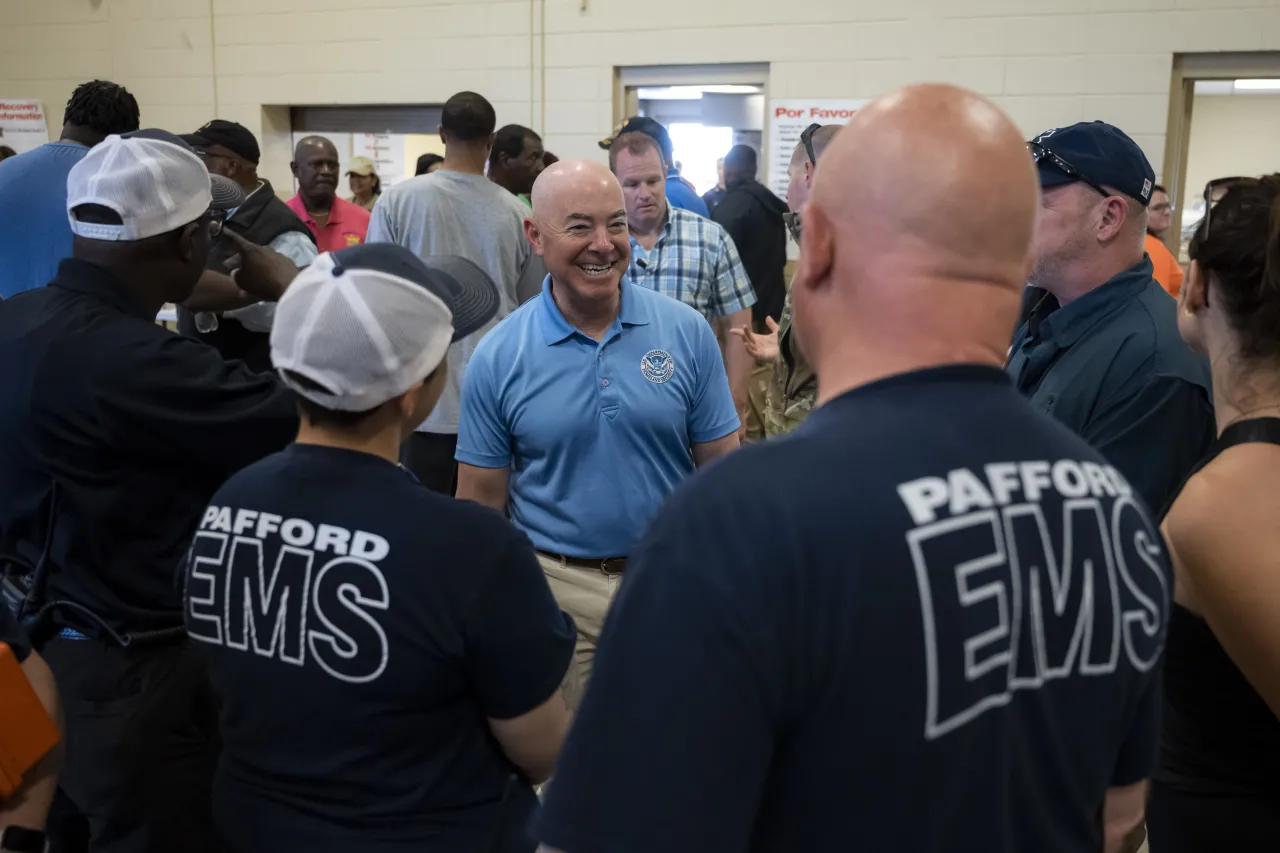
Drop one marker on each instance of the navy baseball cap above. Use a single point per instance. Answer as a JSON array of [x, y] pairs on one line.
[[647, 126], [1096, 153]]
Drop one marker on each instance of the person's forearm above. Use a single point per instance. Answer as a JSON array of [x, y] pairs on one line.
[[738, 364], [469, 490], [217, 291]]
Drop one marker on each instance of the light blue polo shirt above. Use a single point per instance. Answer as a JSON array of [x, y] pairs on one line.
[[596, 434]]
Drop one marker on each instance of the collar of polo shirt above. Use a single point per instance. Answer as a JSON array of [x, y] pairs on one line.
[[555, 328]]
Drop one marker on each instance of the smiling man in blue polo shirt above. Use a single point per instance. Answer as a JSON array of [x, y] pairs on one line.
[[586, 407], [1100, 350]]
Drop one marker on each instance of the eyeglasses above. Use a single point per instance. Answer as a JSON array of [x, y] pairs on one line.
[[806, 138], [206, 154], [1039, 152]]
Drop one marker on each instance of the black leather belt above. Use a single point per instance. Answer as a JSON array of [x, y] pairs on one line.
[[609, 566]]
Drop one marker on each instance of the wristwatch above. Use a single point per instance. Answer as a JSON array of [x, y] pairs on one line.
[[17, 839]]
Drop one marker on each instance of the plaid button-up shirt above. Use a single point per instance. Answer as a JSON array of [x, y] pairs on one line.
[[695, 262]]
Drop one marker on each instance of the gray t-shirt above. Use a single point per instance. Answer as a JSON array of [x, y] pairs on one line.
[[453, 213]]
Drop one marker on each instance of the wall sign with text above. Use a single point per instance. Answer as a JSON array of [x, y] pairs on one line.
[[22, 125], [788, 117]]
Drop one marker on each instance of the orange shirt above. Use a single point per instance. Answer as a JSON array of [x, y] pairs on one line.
[[1167, 269]]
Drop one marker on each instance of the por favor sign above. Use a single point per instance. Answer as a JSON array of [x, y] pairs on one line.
[[788, 117]]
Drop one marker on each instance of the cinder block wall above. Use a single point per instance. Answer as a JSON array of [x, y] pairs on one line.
[[1047, 62]]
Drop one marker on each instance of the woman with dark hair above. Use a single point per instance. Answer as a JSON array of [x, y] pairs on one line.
[[1218, 784], [364, 182], [427, 164]]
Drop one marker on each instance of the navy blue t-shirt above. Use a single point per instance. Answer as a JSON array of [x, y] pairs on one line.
[[362, 629], [949, 642]]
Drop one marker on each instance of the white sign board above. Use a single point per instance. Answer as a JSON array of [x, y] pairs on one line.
[[22, 125], [386, 150], [788, 117]]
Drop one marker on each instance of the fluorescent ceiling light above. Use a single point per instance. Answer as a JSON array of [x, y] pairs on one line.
[[1260, 84], [693, 93]]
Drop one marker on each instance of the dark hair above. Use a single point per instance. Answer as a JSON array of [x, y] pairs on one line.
[[468, 117], [6, 152], [102, 107], [1240, 258], [320, 416], [1159, 189], [635, 143], [741, 160], [96, 214], [510, 140], [425, 162]]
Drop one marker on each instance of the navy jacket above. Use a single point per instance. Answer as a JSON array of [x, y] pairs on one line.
[[1112, 367]]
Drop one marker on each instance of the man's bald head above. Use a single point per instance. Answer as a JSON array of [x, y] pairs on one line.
[[570, 181], [315, 165], [820, 140], [919, 229], [800, 172], [579, 228], [307, 144]]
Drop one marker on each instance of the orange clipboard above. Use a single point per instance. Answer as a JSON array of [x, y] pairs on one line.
[[27, 732]]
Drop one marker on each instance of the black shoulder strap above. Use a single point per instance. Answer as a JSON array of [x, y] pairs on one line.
[[1252, 431]]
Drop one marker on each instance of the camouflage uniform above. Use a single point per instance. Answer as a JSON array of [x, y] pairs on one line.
[[793, 388]]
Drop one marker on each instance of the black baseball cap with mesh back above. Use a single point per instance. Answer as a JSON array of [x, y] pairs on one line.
[[362, 325]]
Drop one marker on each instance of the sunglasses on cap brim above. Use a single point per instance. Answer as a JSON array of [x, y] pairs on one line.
[[806, 139], [1041, 154]]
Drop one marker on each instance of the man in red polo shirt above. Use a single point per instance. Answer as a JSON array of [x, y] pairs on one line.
[[337, 223]]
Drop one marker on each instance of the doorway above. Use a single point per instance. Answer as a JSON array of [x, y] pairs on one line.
[[1224, 116], [707, 109]]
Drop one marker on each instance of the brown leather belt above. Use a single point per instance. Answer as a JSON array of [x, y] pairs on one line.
[[608, 566]]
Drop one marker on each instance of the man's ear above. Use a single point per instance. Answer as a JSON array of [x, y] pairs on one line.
[[533, 235], [293, 167], [1115, 213], [817, 255], [187, 239]]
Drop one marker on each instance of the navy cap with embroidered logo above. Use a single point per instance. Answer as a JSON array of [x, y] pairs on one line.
[[1095, 153]]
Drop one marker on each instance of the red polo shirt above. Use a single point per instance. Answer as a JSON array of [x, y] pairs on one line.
[[347, 226]]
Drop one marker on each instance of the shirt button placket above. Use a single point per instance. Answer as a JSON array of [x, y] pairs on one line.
[[605, 384]]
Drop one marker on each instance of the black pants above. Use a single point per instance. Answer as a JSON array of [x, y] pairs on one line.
[[1181, 821], [141, 747], [429, 456]]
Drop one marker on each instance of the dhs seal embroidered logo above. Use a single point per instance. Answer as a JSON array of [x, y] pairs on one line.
[[657, 366]]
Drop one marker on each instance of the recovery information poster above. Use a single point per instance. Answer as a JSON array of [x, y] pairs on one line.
[[22, 125], [788, 117]]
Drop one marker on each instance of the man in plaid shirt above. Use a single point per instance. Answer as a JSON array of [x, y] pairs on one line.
[[684, 256]]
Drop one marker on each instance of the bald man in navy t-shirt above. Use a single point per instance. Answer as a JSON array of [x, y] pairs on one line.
[[951, 640]]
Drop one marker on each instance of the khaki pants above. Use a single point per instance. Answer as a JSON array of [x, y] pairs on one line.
[[585, 594]]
